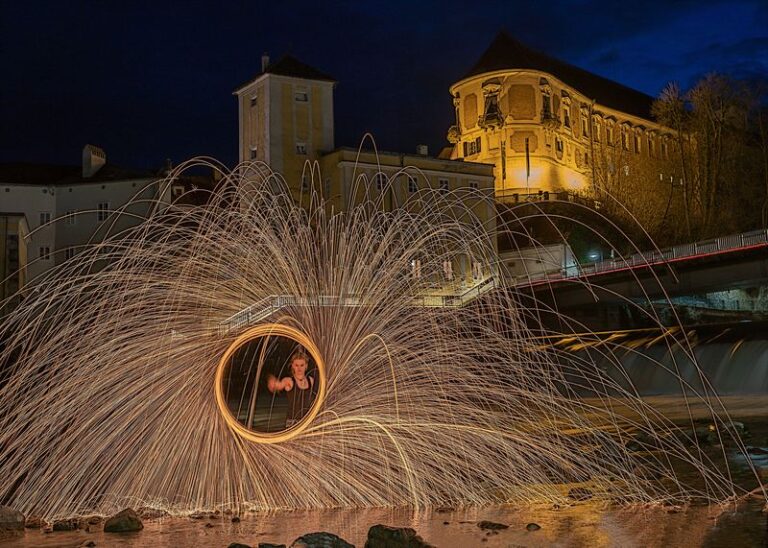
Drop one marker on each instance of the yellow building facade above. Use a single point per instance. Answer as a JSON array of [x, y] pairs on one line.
[[286, 117], [286, 120], [550, 128], [14, 235]]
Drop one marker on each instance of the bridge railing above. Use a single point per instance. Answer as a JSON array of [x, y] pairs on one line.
[[733, 242], [265, 307]]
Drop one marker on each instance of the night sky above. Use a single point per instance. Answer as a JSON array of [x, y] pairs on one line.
[[153, 80]]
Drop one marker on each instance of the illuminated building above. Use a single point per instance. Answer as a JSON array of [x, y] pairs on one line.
[[286, 120], [550, 127]]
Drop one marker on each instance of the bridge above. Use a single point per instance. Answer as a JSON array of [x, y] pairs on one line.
[[266, 307], [731, 262]]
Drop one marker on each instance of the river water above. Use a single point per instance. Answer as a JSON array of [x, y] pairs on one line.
[[583, 525]]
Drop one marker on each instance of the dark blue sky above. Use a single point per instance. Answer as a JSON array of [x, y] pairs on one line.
[[153, 80]]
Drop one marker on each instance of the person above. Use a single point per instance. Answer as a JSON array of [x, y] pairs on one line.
[[299, 388]]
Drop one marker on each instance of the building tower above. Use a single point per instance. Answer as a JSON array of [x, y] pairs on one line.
[[286, 118]]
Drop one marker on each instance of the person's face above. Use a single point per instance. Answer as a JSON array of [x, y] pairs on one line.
[[299, 367]]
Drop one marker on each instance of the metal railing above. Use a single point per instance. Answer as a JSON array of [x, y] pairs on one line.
[[733, 242], [264, 308]]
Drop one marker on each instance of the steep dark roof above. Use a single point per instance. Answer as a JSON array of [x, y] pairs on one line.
[[288, 65], [507, 53], [47, 174]]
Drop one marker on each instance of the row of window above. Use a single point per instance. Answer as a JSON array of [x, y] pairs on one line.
[[44, 253], [381, 182], [102, 212], [413, 186], [299, 95]]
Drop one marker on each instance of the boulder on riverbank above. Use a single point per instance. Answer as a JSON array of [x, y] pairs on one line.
[[126, 521], [320, 540], [383, 536], [10, 519]]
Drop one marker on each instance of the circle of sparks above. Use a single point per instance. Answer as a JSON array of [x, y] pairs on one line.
[[432, 396], [263, 330]]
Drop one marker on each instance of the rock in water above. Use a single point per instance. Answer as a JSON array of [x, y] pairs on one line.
[[320, 540], [491, 526], [269, 545], [10, 519], [238, 545], [383, 536], [533, 526], [123, 522]]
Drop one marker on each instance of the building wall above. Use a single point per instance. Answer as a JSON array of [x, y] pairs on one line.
[[73, 211], [13, 259], [35, 202], [391, 181], [568, 147], [286, 122]]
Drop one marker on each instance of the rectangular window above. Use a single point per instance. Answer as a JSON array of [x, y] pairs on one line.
[[253, 101], [566, 118], [595, 132], [381, 181], [253, 153], [443, 185], [559, 145], [472, 147], [546, 107], [412, 186], [583, 125], [301, 96], [69, 253], [45, 253], [45, 217], [474, 185], [71, 216], [102, 211], [301, 148]]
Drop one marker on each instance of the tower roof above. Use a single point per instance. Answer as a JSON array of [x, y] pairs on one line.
[[288, 65], [506, 53]]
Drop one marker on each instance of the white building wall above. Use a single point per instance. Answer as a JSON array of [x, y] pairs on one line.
[[83, 199], [32, 200]]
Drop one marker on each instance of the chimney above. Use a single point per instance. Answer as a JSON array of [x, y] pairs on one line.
[[264, 61], [422, 150], [93, 159]]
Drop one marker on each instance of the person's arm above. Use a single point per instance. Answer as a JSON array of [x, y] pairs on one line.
[[274, 385]]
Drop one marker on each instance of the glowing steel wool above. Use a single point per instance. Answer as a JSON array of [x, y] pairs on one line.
[[431, 391]]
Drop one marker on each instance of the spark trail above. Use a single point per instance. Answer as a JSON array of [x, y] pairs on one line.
[[109, 399]]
